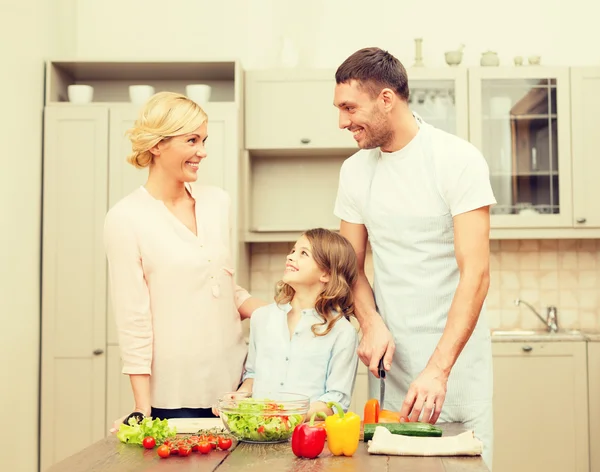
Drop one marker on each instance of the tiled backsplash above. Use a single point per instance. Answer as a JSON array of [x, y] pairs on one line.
[[563, 273]]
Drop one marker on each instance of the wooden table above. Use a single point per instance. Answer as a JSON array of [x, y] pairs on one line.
[[110, 455]]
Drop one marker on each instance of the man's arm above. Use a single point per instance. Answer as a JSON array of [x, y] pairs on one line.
[[376, 340], [471, 242]]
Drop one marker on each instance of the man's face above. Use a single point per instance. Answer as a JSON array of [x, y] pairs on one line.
[[363, 115]]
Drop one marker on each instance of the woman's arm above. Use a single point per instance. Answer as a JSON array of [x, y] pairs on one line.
[[131, 306]]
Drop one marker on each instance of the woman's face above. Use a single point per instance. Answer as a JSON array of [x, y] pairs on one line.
[[180, 156]]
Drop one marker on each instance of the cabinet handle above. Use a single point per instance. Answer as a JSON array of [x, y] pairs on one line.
[[305, 140], [527, 348], [97, 352], [581, 220]]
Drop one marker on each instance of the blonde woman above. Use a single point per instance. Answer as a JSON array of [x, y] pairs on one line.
[[178, 310]]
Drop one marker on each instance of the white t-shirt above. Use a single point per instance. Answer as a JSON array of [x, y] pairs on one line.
[[404, 177]]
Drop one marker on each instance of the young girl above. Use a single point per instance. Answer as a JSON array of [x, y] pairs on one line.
[[304, 343]]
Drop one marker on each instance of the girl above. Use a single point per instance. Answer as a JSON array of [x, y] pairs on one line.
[[304, 342], [177, 308]]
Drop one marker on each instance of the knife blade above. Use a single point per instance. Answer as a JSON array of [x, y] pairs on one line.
[[381, 372]]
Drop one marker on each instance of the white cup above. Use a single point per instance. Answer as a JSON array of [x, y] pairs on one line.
[[139, 94], [80, 93], [200, 93]]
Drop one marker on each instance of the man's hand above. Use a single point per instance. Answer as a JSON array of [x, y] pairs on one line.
[[426, 394], [377, 342]]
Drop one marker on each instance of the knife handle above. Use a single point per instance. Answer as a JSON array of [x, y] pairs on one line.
[[381, 369]]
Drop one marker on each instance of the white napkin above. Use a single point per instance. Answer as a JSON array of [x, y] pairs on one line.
[[464, 444]]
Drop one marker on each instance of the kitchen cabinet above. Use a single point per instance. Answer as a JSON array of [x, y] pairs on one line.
[[594, 403], [540, 407], [293, 109], [520, 120], [86, 173], [585, 123]]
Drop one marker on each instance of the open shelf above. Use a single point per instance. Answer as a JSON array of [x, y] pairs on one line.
[[292, 192], [111, 79]]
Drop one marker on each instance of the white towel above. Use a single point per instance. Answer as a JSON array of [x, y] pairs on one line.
[[464, 444]]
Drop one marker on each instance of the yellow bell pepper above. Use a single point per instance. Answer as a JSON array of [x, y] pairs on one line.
[[343, 431]]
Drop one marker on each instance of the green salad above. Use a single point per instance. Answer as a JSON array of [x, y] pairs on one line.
[[260, 422]]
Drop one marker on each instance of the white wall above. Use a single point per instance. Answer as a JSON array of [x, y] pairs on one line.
[[27, 37], [562, 31]]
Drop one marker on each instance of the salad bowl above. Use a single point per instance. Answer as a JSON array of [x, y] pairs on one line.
[[263, 418]]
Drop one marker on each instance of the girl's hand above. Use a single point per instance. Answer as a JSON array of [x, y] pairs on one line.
[[239, 395]]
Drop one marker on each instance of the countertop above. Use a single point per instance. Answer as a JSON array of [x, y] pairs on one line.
[[526, 335], [108, 455]]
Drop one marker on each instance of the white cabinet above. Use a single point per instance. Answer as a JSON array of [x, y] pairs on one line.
[[291, 109], [540, 407], [73, 371], [585, 126], [520, 120], [594, 402], [85, 173]]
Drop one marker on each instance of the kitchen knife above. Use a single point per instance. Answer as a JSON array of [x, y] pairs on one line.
[[381, 372]]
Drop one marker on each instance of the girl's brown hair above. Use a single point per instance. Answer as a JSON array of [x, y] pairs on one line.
[[334, 254]]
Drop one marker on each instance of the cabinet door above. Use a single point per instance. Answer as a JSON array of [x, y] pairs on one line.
[[594, 398], [540, 407], [293, 109], [441, 98], [520, 120], [585, 123], [74, 280]]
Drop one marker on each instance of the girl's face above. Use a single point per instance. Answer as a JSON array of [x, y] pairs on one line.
[[180, 156], [300, 268]]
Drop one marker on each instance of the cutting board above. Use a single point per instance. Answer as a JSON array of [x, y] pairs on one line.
[[192, 425]]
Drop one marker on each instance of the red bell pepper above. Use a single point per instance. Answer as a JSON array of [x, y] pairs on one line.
[[308, 440]]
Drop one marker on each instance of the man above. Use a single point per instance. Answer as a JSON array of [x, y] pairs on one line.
[[421, 197]]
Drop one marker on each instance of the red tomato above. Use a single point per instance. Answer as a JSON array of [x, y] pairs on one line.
[[213, 441], [149, 442], [163, 451], [224, 443], [184, 450], [204, 447]]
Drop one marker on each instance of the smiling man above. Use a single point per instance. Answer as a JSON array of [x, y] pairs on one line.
[[421, 197]]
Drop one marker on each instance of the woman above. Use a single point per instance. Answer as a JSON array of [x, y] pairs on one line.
[[177, 308]]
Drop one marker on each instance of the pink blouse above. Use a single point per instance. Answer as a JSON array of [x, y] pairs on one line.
[[175, 299]]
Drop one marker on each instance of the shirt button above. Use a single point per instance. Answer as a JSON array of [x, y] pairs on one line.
[[281, 384], [287, 358]]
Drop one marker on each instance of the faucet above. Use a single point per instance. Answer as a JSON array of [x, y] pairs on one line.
[[551, 320]]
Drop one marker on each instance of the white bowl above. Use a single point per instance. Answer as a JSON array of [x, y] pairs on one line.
[[453, 58], [79, 93], [200, 93], [139, 94]]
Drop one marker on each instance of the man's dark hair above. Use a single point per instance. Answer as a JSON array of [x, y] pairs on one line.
[[374, 69]]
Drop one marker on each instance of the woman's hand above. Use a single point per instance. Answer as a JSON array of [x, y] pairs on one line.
[[117, 424]]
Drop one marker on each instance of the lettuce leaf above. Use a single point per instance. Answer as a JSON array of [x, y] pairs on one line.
[[134, 432]]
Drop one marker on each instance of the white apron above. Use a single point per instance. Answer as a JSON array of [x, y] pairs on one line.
[[416, 275]]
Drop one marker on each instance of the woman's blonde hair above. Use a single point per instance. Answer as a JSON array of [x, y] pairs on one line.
[[334, 254], [165, 114]]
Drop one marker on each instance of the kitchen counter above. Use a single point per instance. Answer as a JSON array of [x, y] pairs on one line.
[[525, 335], [108, 455]]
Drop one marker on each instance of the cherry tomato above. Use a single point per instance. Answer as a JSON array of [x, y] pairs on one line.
[[213, 441], [204, 447], [224, 443], [184, 450], [163, 451], [149, 442]]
